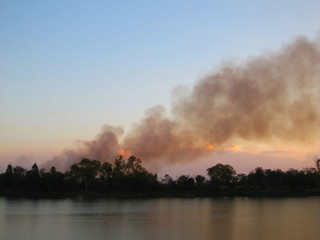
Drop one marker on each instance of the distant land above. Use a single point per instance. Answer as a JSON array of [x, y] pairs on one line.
[[127, 178]]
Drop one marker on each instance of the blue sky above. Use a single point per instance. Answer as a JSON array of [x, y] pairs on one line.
[[68, 67]]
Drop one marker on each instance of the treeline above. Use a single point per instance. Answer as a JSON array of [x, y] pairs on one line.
[[129, 175]]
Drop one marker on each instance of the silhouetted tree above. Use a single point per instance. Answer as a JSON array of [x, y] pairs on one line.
[[118, 172], [19, 174], [137, 177], [311, 178], [33, 178], [133, 166], [294, 178], [221, 174], [9, 171], [200, 180], [242, 180], [257, 178], [168, 182], [106, 174], [185, 182], [53, 180], [106, 170], [86, 171], [130, 175], [8, 177], [274, 178]]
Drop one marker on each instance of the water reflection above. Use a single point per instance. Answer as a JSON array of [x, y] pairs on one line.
[[205, 218]]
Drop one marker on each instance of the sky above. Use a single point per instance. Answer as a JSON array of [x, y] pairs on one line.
[[69, 67]]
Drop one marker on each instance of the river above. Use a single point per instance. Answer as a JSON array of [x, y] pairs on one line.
[[163, 218]]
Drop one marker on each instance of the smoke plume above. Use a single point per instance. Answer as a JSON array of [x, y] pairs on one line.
[[104, 147], [272, 97]]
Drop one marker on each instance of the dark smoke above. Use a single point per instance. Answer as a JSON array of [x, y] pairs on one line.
[[273, 97]]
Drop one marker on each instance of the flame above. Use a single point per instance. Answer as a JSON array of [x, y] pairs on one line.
[[210, 147], [125, 153]]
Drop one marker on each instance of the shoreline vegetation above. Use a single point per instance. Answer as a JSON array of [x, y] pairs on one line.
[[127, 178]]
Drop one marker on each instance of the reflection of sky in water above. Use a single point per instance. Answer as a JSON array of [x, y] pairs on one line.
[[238, 218]]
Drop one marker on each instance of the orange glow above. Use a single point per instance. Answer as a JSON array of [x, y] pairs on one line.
[[234, 147], [210, 147], [125, 153]]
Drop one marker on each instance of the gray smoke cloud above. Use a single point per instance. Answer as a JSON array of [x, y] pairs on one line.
[[272, 97], [104, 147]]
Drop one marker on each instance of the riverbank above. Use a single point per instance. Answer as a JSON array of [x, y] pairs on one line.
[[164, 194]]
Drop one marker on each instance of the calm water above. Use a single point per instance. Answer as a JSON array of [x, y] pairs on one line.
[[181, 219]]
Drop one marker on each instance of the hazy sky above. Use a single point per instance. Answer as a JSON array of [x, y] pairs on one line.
[[68, 67]]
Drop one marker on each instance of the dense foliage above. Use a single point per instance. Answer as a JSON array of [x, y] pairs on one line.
[[129, 175]]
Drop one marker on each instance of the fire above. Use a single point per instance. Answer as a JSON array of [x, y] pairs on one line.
[[210, 147], [125, 153]]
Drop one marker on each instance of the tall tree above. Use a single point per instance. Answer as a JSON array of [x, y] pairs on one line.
[[133, 166], [33, 178], [221, 174], [86, 171]]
